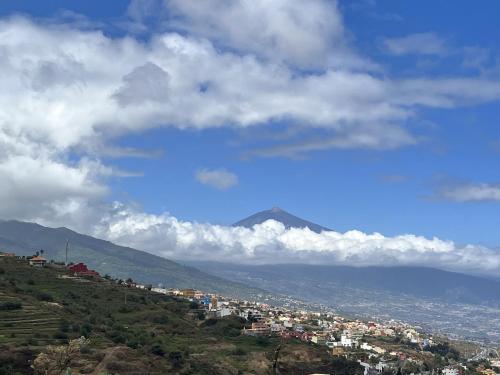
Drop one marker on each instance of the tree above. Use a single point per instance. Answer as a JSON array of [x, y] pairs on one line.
[[55, 360]]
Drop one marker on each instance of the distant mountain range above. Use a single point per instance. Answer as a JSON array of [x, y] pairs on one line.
[[276, 213], [105, 257], [329, 283]]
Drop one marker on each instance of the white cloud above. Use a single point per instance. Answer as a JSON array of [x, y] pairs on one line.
[[375, 137], [418, 44], [217, 178], [67, 92], [302, 33], [470, 192], [67, 87], [271, 242]]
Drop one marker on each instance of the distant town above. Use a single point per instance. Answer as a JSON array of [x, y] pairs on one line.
[[380, 347]]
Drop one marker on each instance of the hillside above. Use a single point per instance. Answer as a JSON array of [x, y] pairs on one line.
[[107, 258], [131, 331], [276, 213]]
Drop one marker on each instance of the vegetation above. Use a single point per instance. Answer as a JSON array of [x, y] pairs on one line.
[[129, 331]]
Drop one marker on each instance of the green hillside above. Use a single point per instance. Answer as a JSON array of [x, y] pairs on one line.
[[107, 258], [131, 331]]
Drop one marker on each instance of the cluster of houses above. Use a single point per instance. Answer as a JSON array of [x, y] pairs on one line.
[[337, 334], [37, 260]]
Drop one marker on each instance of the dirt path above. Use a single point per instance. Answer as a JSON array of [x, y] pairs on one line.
[[109, 356]]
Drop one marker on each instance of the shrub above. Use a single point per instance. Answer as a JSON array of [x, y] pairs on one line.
[[238, 351], [43, 296], [86, 329], [162, 319], [116, 337], [132, 344], [60, 335], [31, 282], [175, 358], [64, 326], [156, 349], [125, 309], [231, 332], [262, 341], [11, 306]]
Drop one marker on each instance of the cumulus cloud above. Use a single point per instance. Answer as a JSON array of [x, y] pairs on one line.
[[417, 44], [217, 178], [303, 33], [67, 87], [271, 242]]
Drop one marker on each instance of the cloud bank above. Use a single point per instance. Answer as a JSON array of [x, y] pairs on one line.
[[270, 242]]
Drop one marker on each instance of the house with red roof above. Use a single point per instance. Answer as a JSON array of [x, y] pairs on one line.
[[81, 269]]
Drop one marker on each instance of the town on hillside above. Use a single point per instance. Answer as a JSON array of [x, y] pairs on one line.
[[379, 347]]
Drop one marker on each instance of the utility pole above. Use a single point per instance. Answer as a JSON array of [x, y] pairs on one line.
[[276, 369], [67, 245]]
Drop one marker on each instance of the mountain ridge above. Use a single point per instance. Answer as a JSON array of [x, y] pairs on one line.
[[280, 215], [24, 238]]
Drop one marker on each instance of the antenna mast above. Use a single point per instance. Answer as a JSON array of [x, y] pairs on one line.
[[67, 245]]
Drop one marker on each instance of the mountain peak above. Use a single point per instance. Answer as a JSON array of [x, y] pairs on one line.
[[278, 214]]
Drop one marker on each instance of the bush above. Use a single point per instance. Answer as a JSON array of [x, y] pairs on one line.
[[86, 329], [175, 358], [60, 335], [231, 332], [11, 306], [64, 326], [132, 344], [156, 349], [162, 319], [262, 341], [116, 337], [43, 296], [31, 282], [238, 351]]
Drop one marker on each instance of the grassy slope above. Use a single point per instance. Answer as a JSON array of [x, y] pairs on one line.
[[118, 261], [126, 335]]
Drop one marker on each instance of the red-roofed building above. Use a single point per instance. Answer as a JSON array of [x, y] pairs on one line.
[[81, 269]]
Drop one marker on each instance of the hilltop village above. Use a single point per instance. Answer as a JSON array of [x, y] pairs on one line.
[[378, 347]]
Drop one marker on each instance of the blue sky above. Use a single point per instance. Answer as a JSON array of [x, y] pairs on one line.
[[417, 154]]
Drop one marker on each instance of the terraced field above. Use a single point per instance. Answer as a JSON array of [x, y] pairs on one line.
[[31, 323]]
